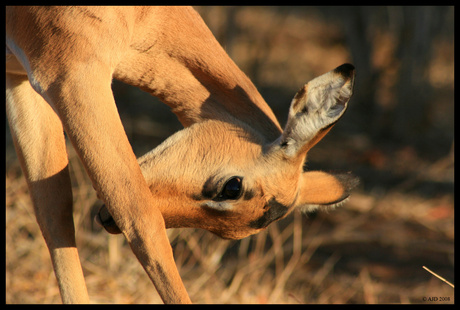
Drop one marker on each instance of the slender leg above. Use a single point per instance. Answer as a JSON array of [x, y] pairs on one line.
[[39, 141], [85, 104]]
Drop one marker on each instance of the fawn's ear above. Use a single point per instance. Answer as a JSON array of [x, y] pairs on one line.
[[315, 109], [317, 188]]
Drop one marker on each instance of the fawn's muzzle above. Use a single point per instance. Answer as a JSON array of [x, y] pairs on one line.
[[105, 219]]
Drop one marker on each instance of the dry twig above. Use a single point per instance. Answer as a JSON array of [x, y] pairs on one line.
[[438, 276]]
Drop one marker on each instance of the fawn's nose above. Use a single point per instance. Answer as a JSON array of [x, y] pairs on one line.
[[105, 219]]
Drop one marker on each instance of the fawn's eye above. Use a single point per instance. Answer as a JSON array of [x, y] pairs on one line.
[[232, 189]]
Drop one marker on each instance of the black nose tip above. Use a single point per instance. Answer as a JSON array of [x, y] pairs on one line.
[[105, 219]]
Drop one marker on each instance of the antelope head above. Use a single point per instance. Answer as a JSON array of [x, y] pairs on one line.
[[229, 178]]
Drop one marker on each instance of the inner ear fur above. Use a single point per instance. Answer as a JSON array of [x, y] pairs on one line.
[[315, 109]]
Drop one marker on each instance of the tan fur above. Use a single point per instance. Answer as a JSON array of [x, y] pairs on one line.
[[60, 63]]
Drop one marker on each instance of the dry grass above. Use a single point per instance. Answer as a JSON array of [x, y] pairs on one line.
[[370, 250]]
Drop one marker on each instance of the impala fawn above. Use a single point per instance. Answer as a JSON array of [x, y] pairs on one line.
[[232, 170]]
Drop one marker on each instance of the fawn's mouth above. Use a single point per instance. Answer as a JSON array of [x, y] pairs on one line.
[[105, 219]]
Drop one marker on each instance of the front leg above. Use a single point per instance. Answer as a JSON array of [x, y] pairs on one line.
[[85, 104], [39, 141]]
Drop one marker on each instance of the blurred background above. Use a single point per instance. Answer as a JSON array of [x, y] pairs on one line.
[[397, 136]]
